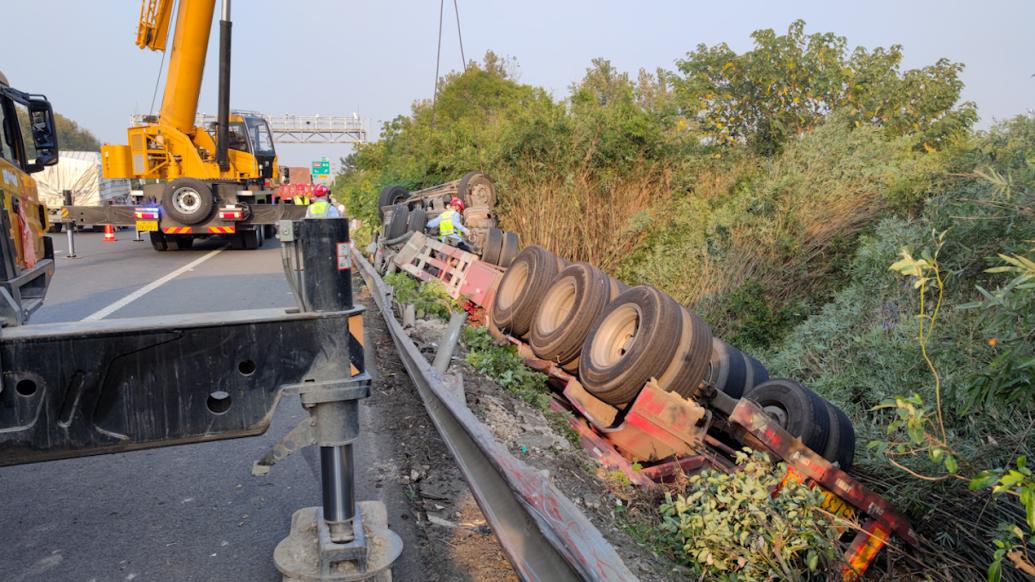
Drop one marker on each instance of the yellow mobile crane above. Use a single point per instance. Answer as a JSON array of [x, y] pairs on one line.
[[207, 181]]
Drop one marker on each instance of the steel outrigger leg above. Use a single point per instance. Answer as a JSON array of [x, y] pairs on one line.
[[342, 540]]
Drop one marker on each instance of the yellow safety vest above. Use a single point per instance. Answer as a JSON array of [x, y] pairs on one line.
[[318, 208], [445, 224], [301, 201]]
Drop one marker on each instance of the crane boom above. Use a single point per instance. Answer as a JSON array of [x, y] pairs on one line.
[[186, 64], [153, 29]]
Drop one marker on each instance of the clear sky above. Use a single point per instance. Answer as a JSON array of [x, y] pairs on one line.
[[376, 57]]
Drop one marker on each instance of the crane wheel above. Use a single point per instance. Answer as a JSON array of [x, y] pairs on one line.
[[188, 201], [158, 241]]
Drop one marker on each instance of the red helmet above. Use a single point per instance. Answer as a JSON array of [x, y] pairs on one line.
[[455, 201], [321, 191]]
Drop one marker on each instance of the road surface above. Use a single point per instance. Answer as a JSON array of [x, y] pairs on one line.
[[180, 513]]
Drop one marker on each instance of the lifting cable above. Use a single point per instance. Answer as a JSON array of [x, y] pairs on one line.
[[438, 63], [161, 66]]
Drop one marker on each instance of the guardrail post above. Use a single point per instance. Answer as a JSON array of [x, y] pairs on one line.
[[448, 342]]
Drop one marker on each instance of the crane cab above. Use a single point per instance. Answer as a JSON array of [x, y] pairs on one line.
[[250, 134]]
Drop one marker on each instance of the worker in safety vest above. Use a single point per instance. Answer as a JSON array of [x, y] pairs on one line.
[[322, 207], [450, 222], [302, 195]]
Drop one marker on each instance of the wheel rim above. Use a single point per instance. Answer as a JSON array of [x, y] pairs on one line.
[[557, 305], [514, 284], [186, 200], [616, 336], [776, 413]]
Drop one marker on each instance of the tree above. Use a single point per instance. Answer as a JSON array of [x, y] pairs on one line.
[[789, 83], [72, 137]]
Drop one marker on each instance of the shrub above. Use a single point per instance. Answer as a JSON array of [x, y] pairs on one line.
[[730, 526], [429, 298], [503, 364]]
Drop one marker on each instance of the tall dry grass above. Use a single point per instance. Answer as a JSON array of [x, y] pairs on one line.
[[579, 216]]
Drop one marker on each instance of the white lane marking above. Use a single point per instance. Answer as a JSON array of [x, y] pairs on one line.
[[149, 287]]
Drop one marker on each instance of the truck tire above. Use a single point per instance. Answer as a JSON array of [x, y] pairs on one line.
[[509, 249], [476, 189], [181, 242], [249, 240], [417, 220], [390, 196], [522, 288], [686, 370], [269, 231], [577, 296], [754, 372], [841, 444], [727, 369], [158, 241], [187, 200], [493, 246], [629, 343], [797, 409], [397, 224]]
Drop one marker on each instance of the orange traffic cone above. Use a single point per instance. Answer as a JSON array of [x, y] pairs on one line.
[[109, 233]]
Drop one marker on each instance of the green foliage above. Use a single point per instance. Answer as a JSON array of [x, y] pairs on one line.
[[751, 320], [503, 364], [777, 235], [729, 526], [428, 298], [559, 421], [71, 137], [788, 83], [885, 358]]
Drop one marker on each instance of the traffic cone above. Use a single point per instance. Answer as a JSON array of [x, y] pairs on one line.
[[109, 233]]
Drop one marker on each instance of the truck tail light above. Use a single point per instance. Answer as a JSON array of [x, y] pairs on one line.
[[145, 213]]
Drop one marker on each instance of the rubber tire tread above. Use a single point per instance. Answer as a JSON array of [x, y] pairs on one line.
[[509, 249], [807, 416], [541, 267], [158, 241], [204, 191], [727, 369], [754, 372], [840, 446], [390, 196], [689, 364], [647, 356], [493, 246], [563, 344], [400, 217], [417, 220]]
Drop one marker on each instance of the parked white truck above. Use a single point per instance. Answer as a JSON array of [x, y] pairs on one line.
[[79, 172]]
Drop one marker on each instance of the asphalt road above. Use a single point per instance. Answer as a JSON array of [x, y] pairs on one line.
[[179, 513]]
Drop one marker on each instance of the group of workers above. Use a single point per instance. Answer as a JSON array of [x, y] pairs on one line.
[[450, 223]]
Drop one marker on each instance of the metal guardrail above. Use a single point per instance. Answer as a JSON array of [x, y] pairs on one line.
[[543, 533]]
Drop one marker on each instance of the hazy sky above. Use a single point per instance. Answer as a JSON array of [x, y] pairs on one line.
[[376, 58]]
